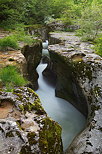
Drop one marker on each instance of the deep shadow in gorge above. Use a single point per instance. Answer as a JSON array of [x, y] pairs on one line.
[[67, 87], [33, 55]]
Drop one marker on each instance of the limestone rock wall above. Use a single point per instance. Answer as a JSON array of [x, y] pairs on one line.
[[89, 75], [79, 80], [33, 56], [67, 86]]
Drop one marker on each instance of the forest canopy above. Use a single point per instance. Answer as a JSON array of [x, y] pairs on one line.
[[38, 11], [87, 14]]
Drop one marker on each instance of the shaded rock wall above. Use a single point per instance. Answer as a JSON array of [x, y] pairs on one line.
[[67, 86], [33, 56], [89, 75], [25, 127], [79, 76]]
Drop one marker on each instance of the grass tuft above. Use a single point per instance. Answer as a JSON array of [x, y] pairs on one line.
[[8, 41], [10, 77]]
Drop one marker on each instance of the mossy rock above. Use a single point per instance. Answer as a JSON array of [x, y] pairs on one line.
[[26, 129]]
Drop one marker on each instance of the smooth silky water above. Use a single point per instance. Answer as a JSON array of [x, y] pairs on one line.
[[60, 110]]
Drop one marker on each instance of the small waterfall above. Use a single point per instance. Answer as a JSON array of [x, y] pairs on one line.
[[45, 44], [45, 49], [70, 119]]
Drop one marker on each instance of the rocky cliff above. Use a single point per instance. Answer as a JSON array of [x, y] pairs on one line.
[[79, 80], [33, 56]]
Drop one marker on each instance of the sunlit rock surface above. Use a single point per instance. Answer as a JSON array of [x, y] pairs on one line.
[[12, 58], [79, 73], [24, 125]]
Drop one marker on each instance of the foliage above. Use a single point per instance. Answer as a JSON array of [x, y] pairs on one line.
[[98, 45], [71, 14], [10, 77], [85, 13], [11, 11], [90, 22], [8, 41], [18, 35], [29, 11]]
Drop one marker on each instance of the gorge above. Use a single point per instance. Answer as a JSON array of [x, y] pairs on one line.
[[51, 77], [78, 72]]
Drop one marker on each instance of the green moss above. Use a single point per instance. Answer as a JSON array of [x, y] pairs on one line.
[[31, 138], [26, 105], [37, 107], [97, 90], [21, 107], [32, 91], [18, 122], [50, 136]]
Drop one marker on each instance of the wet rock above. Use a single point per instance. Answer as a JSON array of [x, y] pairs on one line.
[[24, 125], [45, 60], [33, 56], [79, 80]]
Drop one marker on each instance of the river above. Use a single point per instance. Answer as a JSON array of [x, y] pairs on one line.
[[60, 110]]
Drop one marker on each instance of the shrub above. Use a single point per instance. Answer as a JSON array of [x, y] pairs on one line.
[[12, 40], [10, 77], [98, 45], [90, 22], [8, 41]]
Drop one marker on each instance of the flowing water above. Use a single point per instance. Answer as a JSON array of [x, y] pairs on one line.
[[60, 110]]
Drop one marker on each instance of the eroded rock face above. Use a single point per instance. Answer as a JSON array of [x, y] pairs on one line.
[[24, 125], [12, 58], [79, 80], [33, 56]]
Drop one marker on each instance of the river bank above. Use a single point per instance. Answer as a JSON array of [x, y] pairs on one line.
[[76, 61]]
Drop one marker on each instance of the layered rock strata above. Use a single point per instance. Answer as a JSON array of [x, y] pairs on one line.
[[79, 80], [24, 125]]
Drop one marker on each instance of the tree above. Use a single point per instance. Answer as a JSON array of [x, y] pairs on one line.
[[11, 11], [91, 21]]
